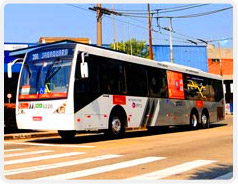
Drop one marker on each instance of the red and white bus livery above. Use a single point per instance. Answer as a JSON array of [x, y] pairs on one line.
[[69, 86]]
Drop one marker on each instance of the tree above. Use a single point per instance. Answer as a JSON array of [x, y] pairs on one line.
[[139, 48]]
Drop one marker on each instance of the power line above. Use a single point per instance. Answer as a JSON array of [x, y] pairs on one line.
[[223, 39], [186, 8], [155, 10], [164, 10], [178, 39], [164, 29], [79, 8], [183, 16]]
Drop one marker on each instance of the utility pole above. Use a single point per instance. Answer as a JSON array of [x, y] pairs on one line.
[[99, 25], [220, 58], [129, 38], [170, 41], [114, 31], [150, 34], [100, 11]]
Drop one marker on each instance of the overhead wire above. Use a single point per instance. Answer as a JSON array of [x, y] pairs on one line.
[[154, 30], [135, 25], [169, 8], [164, 10], [183, 16]]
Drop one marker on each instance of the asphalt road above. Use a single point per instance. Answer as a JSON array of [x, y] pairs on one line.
[[174, 154]]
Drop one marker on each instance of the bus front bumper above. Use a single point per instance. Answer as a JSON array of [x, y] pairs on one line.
[[46, 121]]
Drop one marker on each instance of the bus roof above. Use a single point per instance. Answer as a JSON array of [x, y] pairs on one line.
[[93, 49]]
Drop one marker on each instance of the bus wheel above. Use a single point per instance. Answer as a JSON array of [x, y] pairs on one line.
[[116, 127], [194, 120], [67, 135], [205, 123]]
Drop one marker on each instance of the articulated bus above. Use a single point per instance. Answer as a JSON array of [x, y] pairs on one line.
[[68, 86]]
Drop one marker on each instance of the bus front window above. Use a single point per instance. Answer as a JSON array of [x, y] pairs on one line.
[[45, 79]]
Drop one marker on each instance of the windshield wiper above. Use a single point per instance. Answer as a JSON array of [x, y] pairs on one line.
[[53, 71]]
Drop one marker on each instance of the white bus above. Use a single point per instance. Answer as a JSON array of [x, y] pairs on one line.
[[69, 86]]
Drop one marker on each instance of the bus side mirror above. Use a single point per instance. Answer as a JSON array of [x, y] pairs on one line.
[[84, 66], [9, 70], [9, 66], [84, 69]]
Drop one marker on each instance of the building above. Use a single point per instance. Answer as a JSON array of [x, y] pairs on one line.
[[56, 39], [188, 55], [220, 62]]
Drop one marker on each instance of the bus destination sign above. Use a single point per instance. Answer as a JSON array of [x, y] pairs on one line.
[[50, 54]]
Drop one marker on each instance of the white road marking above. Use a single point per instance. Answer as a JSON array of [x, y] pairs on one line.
[[41, 158], [53, 145], [225, 176], [102, 169], [10, 150], [172, 170], [57, 165], [26, 153]]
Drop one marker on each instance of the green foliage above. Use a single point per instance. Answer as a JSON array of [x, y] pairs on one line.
[[139, 48]]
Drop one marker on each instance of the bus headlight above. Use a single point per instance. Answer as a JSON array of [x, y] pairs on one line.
[[60, 110]]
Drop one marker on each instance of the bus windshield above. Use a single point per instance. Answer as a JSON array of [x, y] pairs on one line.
[[46, 78]]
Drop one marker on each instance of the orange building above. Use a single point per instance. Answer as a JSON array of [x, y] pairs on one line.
[[220, 62]]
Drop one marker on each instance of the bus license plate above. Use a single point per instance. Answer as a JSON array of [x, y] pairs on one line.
[[37, 118]]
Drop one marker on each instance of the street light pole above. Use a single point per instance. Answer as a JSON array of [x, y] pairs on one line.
[[150, 34], [171, 41]]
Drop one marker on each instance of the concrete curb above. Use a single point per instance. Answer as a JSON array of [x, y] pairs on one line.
[[18, 136]]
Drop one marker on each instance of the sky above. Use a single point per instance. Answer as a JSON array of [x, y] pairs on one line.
[[28, 22]]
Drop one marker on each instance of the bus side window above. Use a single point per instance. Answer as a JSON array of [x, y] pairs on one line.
[[90, 84], [216, 90], [196, 88], [157, 82], [112, 77], [136, 76]]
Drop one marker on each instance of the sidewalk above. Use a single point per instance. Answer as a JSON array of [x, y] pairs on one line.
[[16, 136]]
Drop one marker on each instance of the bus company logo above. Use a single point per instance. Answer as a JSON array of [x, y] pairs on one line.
[[133, 105], [35, 106], [136, 105], [32, 106]]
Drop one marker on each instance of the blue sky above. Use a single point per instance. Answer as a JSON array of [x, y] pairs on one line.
[[29, 22]]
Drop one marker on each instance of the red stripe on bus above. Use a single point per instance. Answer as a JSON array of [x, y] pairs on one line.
[[53, 95], [24, 105], [118, 99], [32, 96]]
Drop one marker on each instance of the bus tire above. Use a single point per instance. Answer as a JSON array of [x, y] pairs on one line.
[[205, 122], [116, 127], [193, 120], [67, 135]]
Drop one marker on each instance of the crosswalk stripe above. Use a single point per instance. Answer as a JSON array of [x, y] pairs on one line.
[[101, 169], [53, 145], [225, 176], [26, 153], [57, 165], [172, 170], [41, 158], [11, 150]]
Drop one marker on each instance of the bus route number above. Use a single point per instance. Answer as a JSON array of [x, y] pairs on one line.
[[35, 57]]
